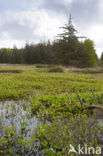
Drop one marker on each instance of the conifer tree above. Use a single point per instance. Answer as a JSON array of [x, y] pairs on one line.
[[68, 30]]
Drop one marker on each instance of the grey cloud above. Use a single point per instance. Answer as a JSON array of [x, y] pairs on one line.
[[86, 10], [53, 5], [18, 29], [83, 11]]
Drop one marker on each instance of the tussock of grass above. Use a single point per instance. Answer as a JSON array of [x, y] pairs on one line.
[[43, 66], [56, 69], [10, 71]]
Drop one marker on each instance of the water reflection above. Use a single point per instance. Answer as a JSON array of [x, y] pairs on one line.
[[17, 113]]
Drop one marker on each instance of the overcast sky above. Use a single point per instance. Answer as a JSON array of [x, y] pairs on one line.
[[39, 20]]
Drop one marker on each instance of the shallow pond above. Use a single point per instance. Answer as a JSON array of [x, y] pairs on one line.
[[14, 113], [16, 116]]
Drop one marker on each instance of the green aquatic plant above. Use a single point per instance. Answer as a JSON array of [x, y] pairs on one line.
[[55, 138]]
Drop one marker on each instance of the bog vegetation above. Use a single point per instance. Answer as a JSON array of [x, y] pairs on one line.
[[52, 99]]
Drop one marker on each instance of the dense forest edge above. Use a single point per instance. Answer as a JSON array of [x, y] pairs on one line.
[[68, 50]]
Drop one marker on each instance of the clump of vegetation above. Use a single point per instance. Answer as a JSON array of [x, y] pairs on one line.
[[10, 71], [56, 69], [41, 66]]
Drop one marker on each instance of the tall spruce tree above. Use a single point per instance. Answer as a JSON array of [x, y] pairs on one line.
[[68, 30], [68, 44], [72, 52]]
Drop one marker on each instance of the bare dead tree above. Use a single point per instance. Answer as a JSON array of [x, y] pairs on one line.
[[81, 102], [95, 99]]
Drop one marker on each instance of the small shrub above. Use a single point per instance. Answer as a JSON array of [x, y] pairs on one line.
[[56, 69]]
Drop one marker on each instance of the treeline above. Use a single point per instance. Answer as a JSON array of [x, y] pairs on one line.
[[72, 53], [67, 50]]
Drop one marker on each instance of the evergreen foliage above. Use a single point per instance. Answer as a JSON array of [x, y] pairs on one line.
[[67, 50]]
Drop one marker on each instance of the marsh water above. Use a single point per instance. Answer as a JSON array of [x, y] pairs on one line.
[[16, 113]]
